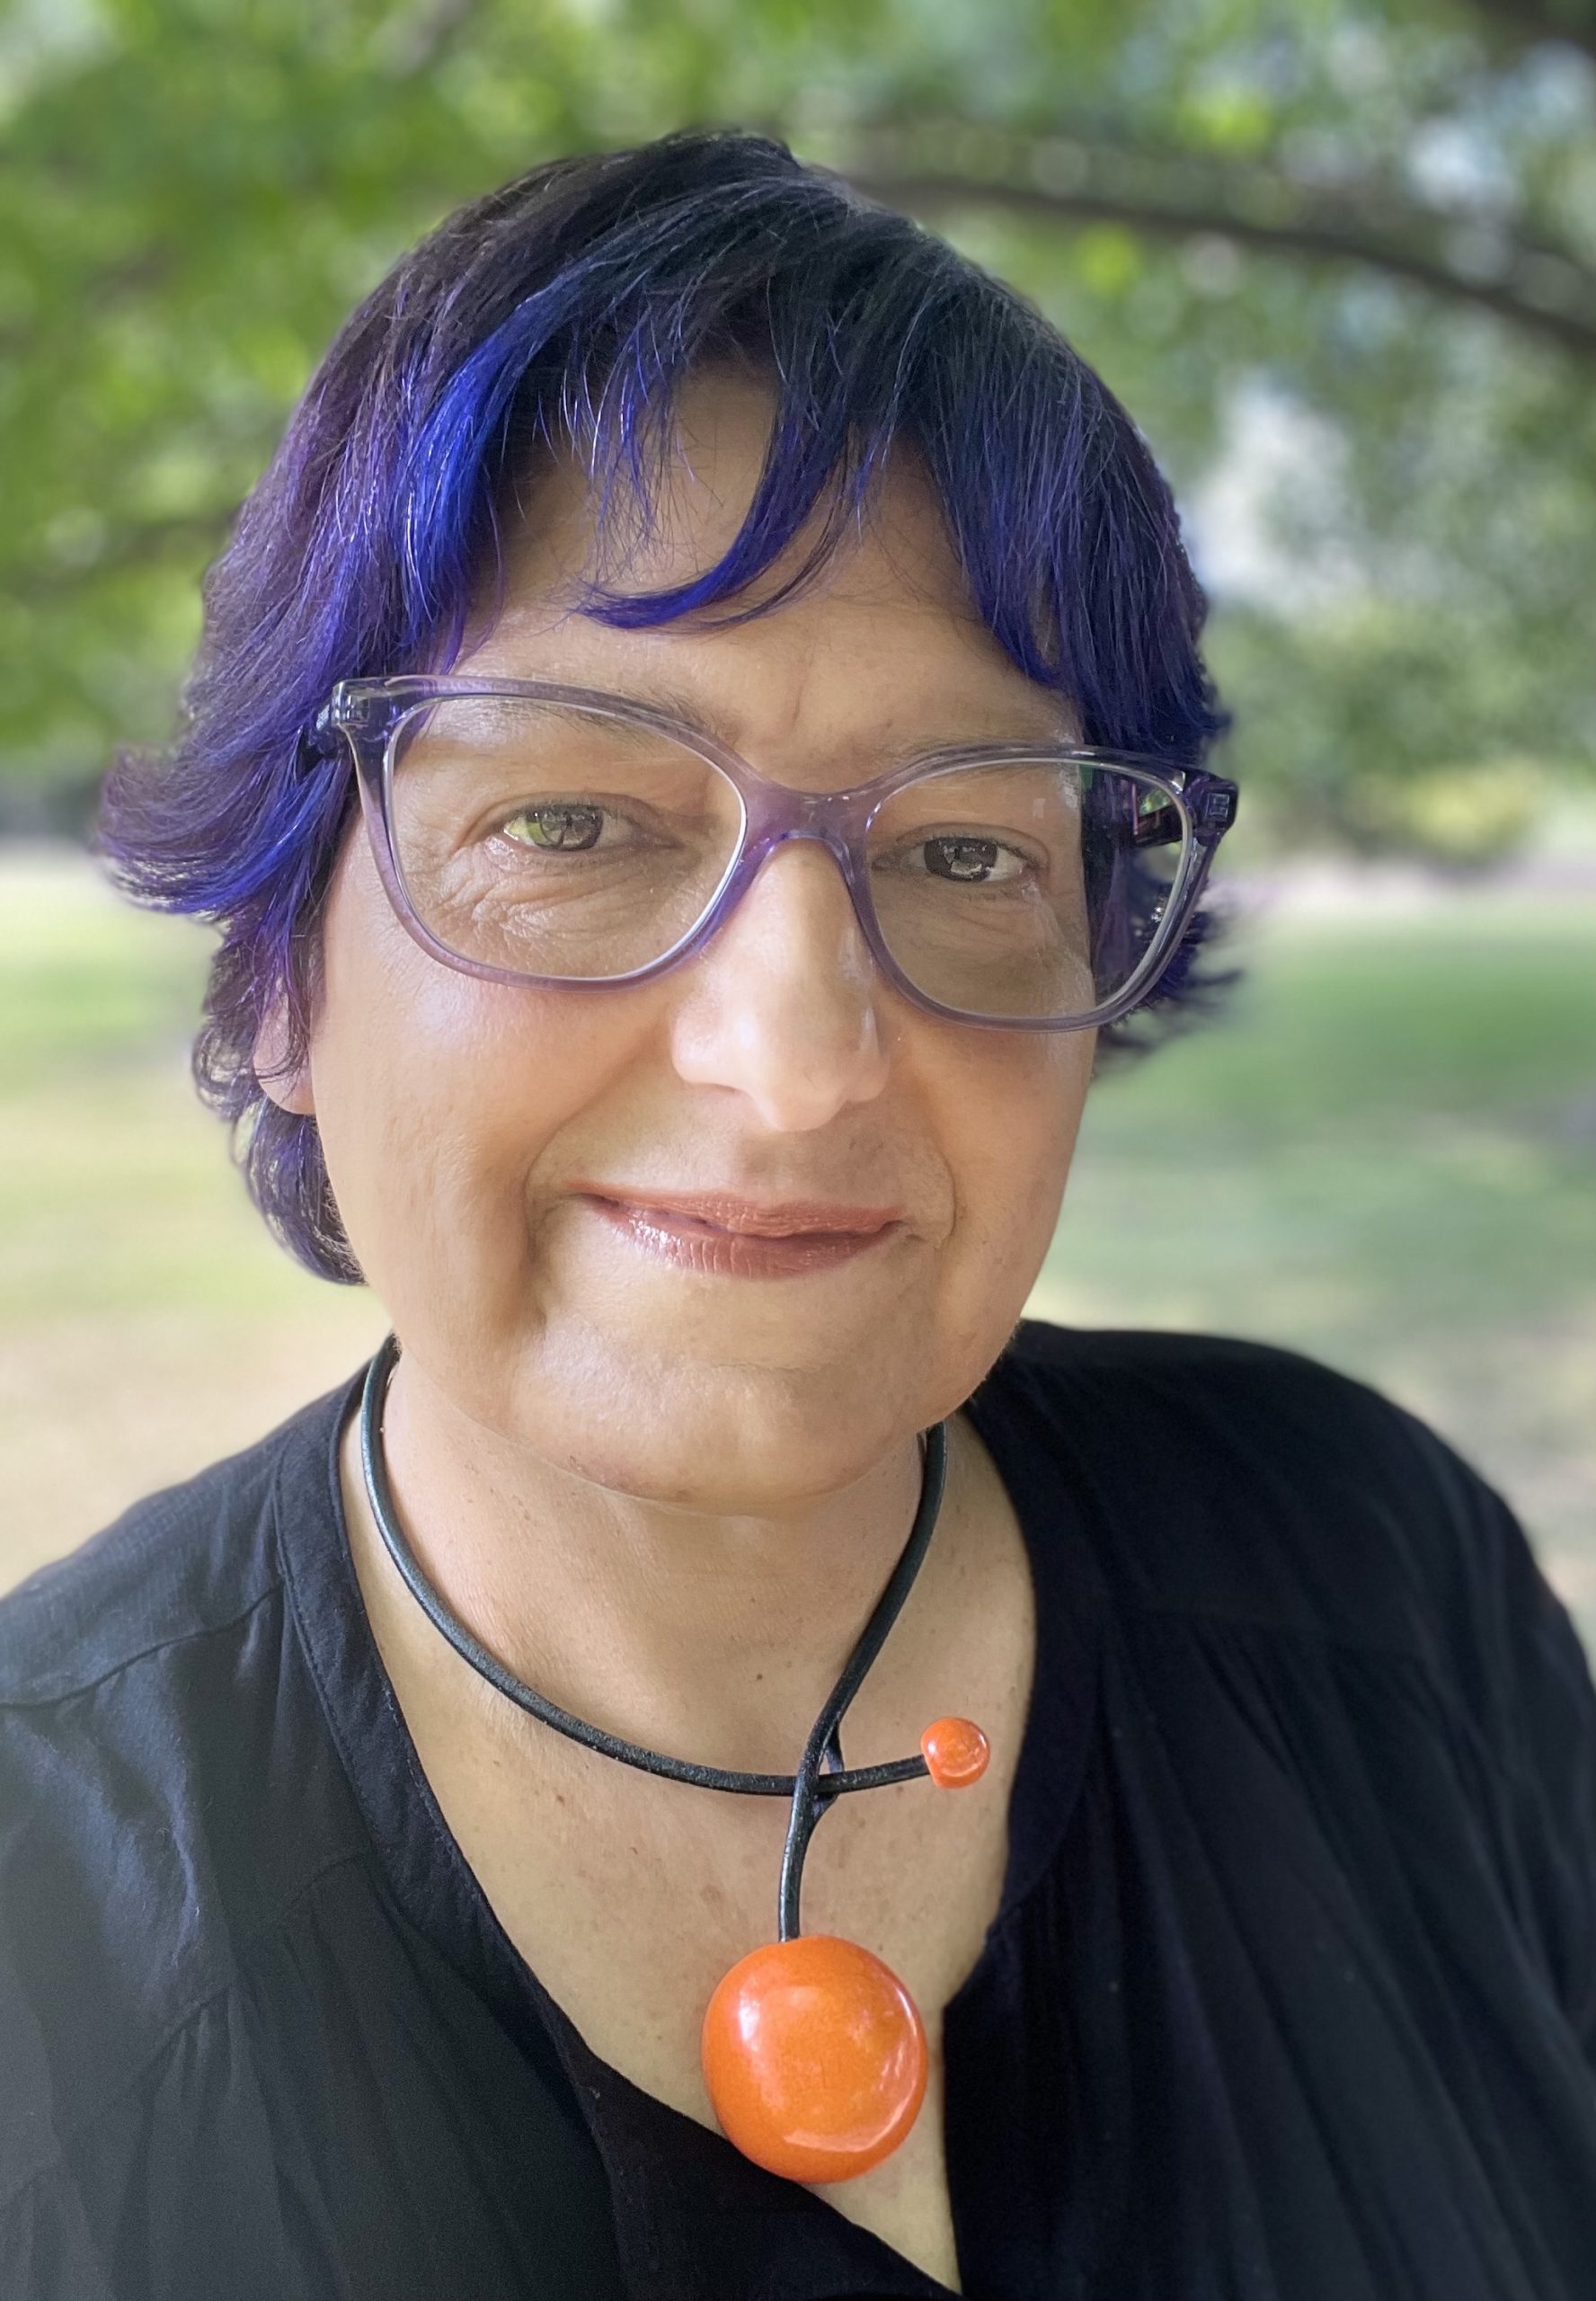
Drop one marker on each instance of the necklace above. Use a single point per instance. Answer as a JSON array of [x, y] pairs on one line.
[[813, 2051]]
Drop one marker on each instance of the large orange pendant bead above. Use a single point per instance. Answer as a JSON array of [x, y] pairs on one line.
[[814, 2055]]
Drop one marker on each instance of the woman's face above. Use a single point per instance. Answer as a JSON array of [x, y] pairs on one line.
[[472, 1128]]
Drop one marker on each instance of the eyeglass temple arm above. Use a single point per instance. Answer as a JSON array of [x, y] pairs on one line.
[[320, 739]]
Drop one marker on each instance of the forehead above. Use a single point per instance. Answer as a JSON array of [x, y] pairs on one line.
[[884, 642], [716, 452]]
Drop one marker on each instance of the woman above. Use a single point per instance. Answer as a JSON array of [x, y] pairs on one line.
[[701, 1126]]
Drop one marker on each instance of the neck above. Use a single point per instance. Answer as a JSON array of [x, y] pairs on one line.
[[707, 1636]]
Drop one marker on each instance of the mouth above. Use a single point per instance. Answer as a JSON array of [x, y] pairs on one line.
[[717, 1234]]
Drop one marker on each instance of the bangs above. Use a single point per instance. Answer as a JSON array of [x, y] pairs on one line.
[[868, 332]]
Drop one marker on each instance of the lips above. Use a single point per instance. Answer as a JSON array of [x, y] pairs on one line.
[[714, 1234], [723, 1211]]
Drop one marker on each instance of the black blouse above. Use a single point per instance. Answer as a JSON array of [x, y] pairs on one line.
[[1292, 1996]]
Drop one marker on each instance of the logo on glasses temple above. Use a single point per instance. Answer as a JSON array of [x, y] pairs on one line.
[[347, 710]]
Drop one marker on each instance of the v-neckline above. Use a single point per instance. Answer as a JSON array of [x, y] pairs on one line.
[[439, 1892]]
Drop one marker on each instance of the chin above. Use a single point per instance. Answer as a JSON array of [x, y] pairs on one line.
[[727, 1436]]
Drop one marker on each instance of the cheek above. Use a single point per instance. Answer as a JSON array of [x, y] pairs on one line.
[[1013, 1113], [437, 1094]]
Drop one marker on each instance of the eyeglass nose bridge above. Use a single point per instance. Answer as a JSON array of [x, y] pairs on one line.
[[775, 811], [779, 816]]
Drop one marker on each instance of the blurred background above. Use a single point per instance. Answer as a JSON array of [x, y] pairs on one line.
[[1340, 261]]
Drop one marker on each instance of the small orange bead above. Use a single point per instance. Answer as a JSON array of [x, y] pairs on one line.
[[814, 2055], [956, 1751]]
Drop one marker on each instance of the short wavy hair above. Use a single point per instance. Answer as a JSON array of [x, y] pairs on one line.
[[568, 306]]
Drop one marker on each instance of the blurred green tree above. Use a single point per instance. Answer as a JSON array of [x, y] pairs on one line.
[[1339, 256]]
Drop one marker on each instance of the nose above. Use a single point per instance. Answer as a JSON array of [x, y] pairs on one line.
[[780, 1005]]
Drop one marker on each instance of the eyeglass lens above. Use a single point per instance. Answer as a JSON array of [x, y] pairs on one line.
[[566, 843]]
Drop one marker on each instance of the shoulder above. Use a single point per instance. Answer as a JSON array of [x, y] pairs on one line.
[[1247, 1489], [158, 1779], [1216, 1391], [177, 1566], [1241, 1478], [162, 1572]]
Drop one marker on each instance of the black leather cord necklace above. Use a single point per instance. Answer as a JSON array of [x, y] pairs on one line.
[[813, 2051]]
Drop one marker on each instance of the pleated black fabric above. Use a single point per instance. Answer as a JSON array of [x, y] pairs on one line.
[[1292, 1996]]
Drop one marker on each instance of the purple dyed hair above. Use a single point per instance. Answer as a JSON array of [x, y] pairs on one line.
[[569, 305]]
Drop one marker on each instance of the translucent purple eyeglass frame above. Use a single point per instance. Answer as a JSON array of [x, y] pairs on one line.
[[369, 713]]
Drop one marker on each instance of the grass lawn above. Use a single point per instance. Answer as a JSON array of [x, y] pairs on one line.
[[1384, 1155]]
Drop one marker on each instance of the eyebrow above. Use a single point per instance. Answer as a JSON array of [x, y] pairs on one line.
[[681, 703]]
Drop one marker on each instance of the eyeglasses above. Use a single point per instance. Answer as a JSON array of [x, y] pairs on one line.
[[536, 833]]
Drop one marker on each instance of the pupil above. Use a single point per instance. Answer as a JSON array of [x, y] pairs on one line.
[[965, 859], [563, 826]]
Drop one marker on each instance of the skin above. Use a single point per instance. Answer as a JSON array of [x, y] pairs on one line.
[[669, 1499]]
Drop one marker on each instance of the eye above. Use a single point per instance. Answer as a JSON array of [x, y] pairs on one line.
[[556, 827], [966, 858]]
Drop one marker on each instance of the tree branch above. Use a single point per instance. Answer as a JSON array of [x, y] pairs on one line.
[[1528, 20], [131, 543], [412, 41], [1542, 290]]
